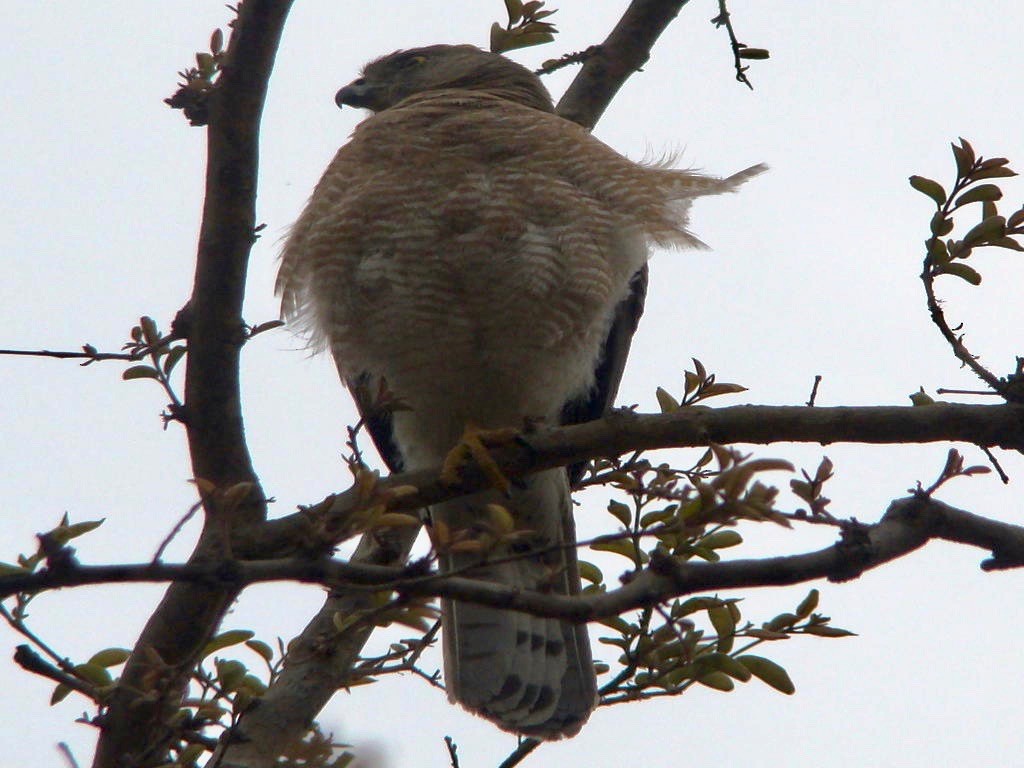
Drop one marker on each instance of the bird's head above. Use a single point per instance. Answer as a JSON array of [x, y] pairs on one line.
[[392, 78]]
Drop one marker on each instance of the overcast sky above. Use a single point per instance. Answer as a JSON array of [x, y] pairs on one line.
[[813, 271]]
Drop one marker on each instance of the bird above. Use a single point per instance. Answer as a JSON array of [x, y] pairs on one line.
[[485, 261]]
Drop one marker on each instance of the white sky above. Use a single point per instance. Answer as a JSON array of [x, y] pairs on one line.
[[814, 271]]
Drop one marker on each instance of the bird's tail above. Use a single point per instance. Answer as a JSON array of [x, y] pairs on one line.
[[528, 674]]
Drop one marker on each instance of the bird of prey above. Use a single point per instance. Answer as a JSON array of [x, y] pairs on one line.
[[485, 260]]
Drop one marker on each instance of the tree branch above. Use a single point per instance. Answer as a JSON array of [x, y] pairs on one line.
[[135, 729], [319, 660], [908, 524], [31, 661], [624, 52], [316, 528]]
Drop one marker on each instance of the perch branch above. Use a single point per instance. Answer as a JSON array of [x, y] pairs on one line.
[[135, 730]]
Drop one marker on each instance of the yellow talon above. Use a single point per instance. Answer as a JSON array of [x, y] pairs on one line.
[[474, 445]]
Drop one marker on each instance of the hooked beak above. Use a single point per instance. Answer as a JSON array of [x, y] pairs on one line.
[[359, 93]]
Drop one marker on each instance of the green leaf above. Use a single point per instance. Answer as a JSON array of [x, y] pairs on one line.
[[721, 540], [723, 388], [938, 251], [782, 621], [173, 356], [617, 623], [110, 657], [993, 226], [980, 193], [964, 156], [723, 662], [941, 226], [254, 685], [824, 631], [93, 673], [752, 53], [616, 546], [590, 572], [921, 398], [149, 329], [230, 673], [929, 187], [808, 604], [666, 402], [768, 672], [621, 512], [59, 694], [515, 10], [703, 553], [993, 173], [75, 530], [722, 621], [961, 270], [140, 372], [226, 639], [260, 648], [717, 680], [517, 40], [1007, 242], [657, 516], [694, 604], [498, 37]]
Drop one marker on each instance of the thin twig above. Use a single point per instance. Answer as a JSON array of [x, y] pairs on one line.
[[723, 19], [90, 356], [987, 393], [176, 530], [526, 746], [577, 57], [996, 465], [453, 749], [22, 629], [65, 751], [31, 661], [814, 391]]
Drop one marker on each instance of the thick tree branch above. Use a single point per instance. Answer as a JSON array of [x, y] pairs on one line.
[[624, 52], [319, 661], [135, 731], [907, 525], [622, 432]]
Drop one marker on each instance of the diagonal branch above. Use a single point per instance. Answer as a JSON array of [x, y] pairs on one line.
[[135, 730], [624, 52]]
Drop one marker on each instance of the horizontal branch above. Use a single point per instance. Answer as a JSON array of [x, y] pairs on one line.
[[908, 524], [624, 431]]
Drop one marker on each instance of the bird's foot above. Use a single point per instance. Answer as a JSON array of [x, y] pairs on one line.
[[474, 445]]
